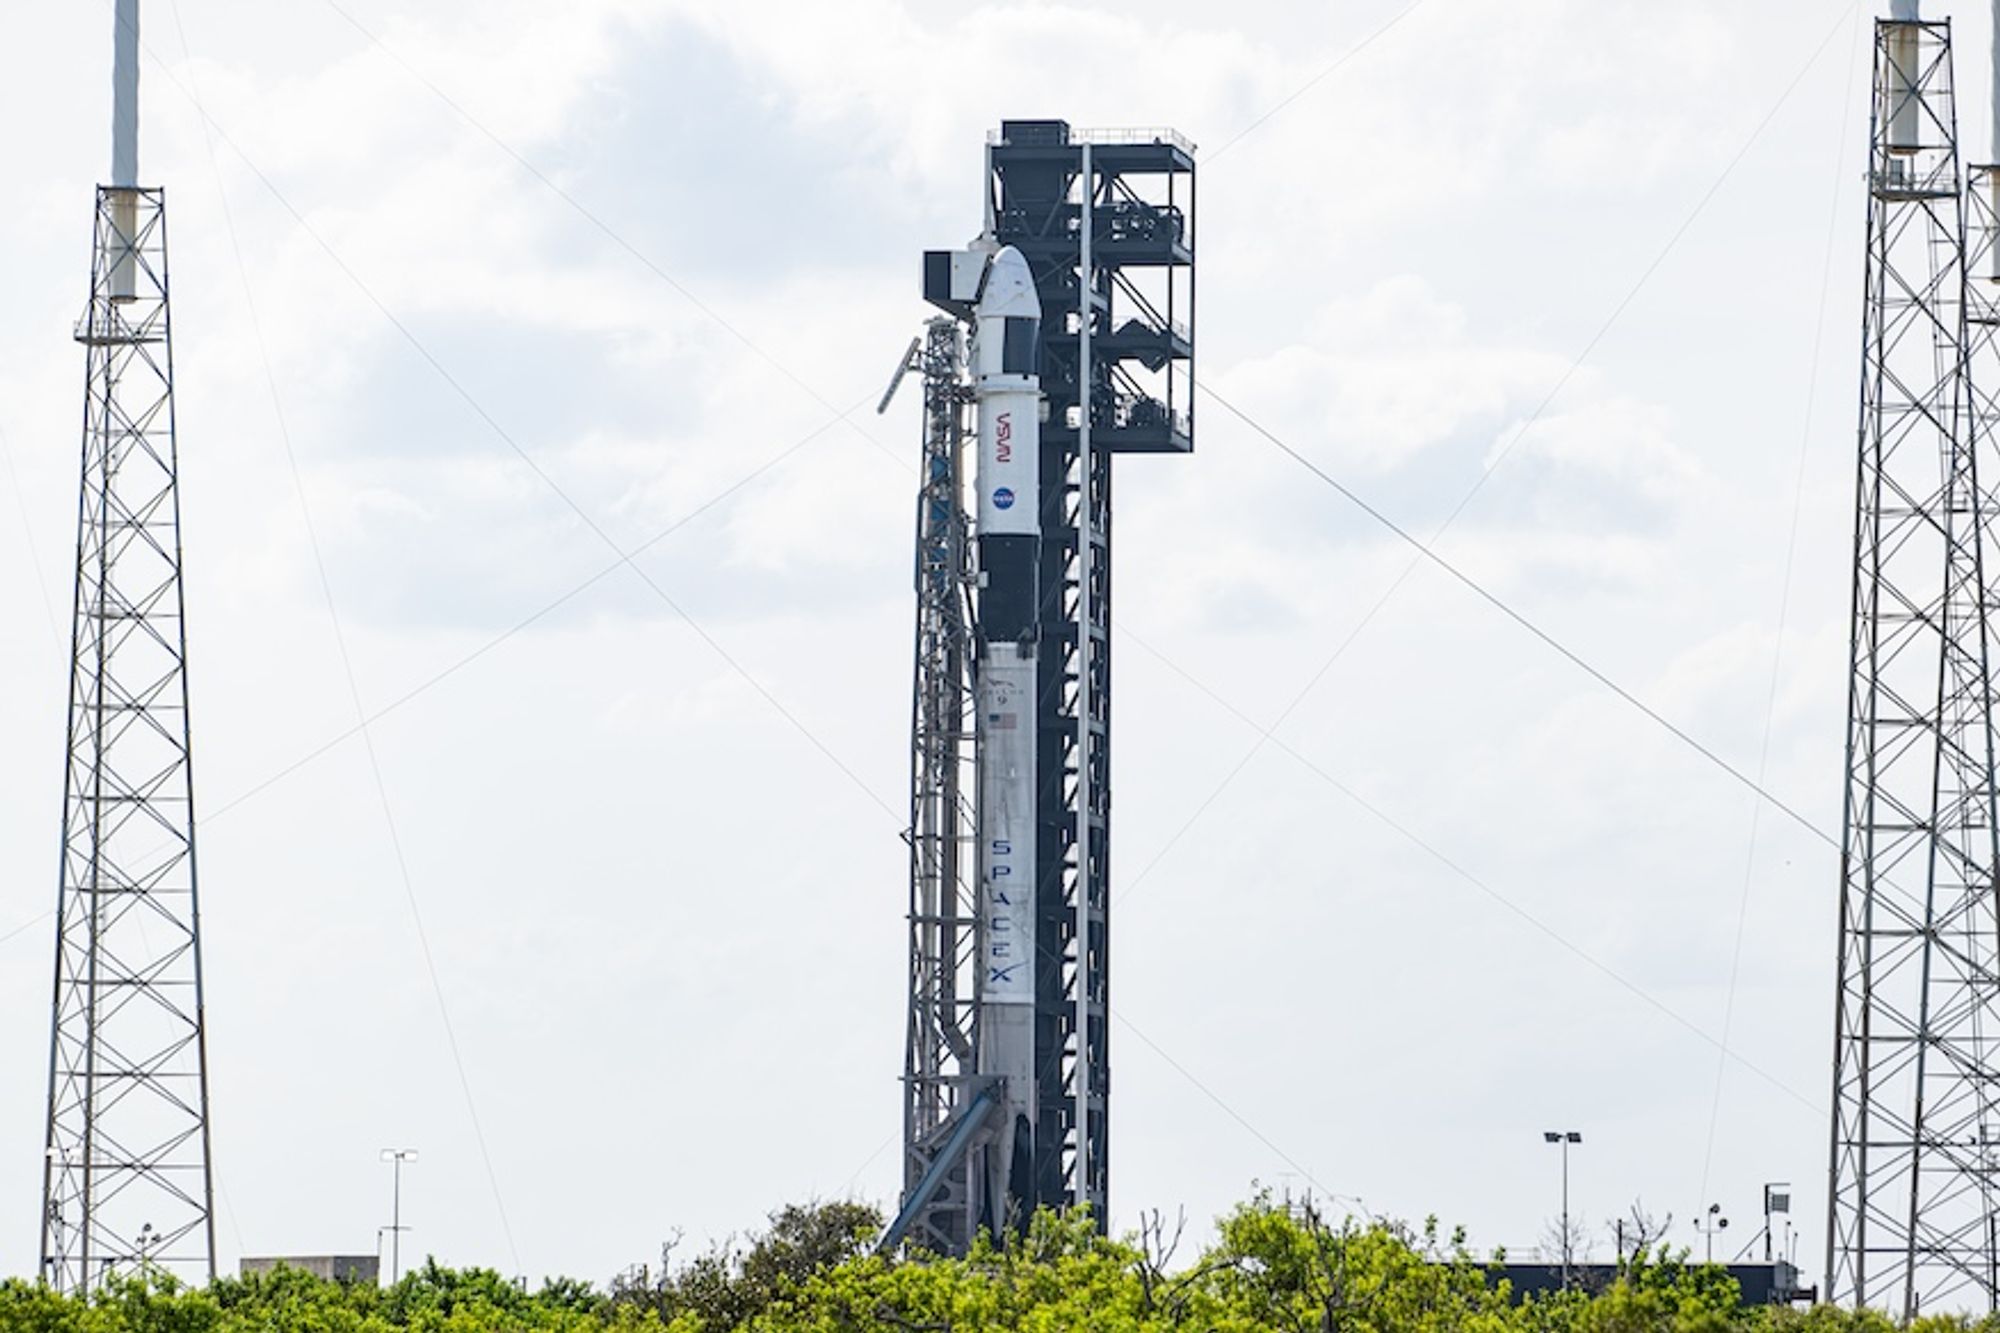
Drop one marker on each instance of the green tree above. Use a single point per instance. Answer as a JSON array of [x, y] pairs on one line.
[[1272, 1268]]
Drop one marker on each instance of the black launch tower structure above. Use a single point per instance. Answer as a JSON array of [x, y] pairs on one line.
[[1130, 196]]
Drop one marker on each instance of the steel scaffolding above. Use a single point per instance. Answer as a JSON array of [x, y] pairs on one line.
[[1910, 1218], [1106, 220], [942, 1041], [126, 1179]]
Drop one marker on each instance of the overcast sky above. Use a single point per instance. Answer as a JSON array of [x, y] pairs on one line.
[[1468, 896]]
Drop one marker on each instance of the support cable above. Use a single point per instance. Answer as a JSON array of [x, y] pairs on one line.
[[1234, 1114], [26, 926], [28, 540], [548, 609], [1429, 553], [346, 660], [506, 437], [583, 211], [1784, 615], [1486, 474], [48, 606], [1430, 849], [1305, 87], [1194, 1081]]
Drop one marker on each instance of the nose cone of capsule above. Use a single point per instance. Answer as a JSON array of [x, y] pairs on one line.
[[1009, 290]]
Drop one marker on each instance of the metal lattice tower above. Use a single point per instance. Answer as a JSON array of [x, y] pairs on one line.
[[1911, 1199], [126, 1179], [943, 1034]]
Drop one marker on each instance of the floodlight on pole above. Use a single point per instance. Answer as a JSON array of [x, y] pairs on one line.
[[1563, 1138]]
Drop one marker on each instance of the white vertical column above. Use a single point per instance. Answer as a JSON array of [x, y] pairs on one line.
[[988, 221], [1085, 537], [125, 96], [1993, 93], [1992, 243], [123, 276], [1906, 114]]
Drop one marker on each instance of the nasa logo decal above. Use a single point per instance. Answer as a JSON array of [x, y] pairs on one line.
[[1003, 498]]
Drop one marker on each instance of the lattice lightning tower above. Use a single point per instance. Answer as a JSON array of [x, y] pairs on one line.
[[126, 1179], [1911, 1191]]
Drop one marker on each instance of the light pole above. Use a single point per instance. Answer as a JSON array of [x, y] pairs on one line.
[[1708, 1226], [397, 1156], [1564, 1137]]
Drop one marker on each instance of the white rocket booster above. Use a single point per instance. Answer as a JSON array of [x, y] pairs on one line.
[[1007, 394]]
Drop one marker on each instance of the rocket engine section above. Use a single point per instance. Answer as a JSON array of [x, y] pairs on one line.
[[1007, 485]]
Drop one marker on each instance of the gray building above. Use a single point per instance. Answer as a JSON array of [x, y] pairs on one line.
[[332, 1267], [1776, 1283]]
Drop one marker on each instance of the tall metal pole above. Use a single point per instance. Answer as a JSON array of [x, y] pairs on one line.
[[396, 1157], [1563, 1138], [1565, 1221]]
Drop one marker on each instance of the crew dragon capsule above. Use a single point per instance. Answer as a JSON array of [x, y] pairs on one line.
[[1007, 484]]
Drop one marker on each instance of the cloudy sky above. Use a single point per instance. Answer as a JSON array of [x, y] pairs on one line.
[[1574, 281]]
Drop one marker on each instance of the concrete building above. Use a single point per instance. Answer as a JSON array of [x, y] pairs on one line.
[[332, 1267]]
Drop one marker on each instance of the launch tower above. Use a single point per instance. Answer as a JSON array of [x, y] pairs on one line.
[[1007, 1070], [126, 1168]]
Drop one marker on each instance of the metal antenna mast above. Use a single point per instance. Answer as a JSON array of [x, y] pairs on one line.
[[1910, 1219], [126, 1178]]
